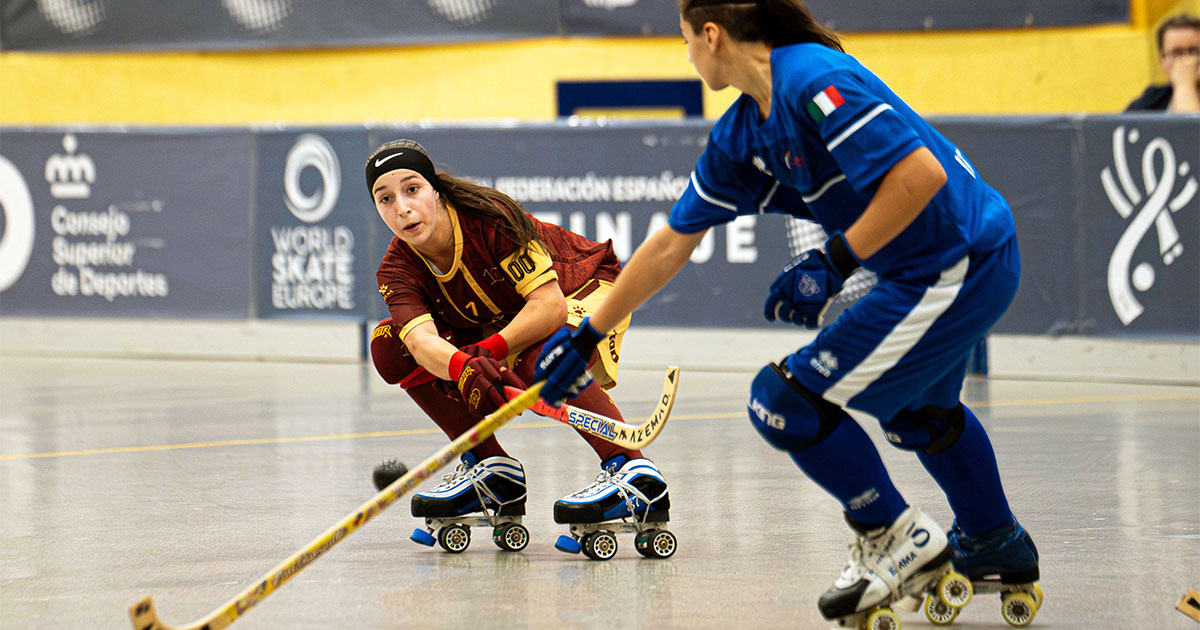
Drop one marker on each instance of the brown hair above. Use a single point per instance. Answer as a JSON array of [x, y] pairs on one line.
[[1183, 20], [773, 22], [494, 207]]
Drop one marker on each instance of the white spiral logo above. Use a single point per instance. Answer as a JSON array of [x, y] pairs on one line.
[[462, 12], [609, 4], [74, 17], [16, 242], [312, 150], [262, 16], [1156, 211]]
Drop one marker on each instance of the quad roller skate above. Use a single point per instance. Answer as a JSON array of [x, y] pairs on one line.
[[489, 493], [888, 564], [1003, 561], [628, 497]]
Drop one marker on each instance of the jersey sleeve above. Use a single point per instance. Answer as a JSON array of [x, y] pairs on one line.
[[526, 268], [718, 191], [864, 133], [529, 268], [406, 302], [787, 200]]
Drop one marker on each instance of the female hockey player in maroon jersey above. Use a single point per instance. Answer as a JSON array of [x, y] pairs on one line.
[[474, 285]]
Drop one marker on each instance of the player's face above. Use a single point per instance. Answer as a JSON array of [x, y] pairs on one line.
[[410, 207], [699, 55]]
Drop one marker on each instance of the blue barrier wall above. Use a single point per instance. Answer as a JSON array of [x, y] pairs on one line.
[[235, 223]]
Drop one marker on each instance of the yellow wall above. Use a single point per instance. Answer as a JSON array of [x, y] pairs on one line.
[[1033, 71]]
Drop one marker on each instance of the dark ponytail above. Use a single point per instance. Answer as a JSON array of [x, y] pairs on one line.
[[774, 22], [495, 207]]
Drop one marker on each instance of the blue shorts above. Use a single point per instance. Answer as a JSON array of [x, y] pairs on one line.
[[905, 345]]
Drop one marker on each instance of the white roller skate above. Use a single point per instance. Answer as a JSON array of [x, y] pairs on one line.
[[628, 497], [490, 493], [1003, 561], [888, 564]]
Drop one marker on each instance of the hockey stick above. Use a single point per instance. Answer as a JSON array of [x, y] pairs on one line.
[[630, 436], [145, 618]]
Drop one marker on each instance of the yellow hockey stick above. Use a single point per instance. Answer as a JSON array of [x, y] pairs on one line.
[[145, 618]]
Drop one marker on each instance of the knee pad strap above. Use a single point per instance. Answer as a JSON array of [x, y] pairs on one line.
[[930, 429], [790, 418]]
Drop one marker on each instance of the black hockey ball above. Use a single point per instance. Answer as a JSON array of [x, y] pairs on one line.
[[387, 472]]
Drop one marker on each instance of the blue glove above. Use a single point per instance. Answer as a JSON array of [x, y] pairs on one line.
[[809, 283], [563, 362]]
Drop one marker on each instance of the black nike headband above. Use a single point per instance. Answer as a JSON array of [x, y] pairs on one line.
[[391, 158]]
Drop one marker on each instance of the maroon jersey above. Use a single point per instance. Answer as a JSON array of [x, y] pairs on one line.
[[487, 283]]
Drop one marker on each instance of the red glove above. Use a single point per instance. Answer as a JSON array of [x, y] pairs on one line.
[[481, 380]]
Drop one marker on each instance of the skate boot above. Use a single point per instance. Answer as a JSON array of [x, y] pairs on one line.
[[490, 493], [1003, 561], [628, 497], [888, 564]]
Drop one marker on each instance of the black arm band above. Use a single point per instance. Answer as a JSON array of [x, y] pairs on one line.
[[840, 256]]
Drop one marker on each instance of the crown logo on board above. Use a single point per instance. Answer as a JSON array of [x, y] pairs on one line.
[[70, 176]]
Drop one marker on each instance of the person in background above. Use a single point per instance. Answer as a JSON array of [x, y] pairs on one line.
[[1179, 56]]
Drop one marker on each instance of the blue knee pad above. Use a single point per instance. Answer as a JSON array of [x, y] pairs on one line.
[[788, 416], [930, 430]]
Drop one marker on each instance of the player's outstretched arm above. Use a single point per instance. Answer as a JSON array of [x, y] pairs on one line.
[[652, 266], [563, 360]]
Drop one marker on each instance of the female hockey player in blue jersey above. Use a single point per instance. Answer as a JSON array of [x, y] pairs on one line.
[[816, 135]]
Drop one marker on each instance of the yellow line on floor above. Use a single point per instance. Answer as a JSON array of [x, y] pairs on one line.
[[529, 425]]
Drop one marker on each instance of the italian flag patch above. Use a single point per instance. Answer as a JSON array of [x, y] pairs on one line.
[[824, 103]]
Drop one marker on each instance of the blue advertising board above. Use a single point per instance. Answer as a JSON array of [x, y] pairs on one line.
[[112, 224], [311, 225]]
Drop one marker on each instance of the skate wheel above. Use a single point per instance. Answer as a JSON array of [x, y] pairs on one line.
[[600, 545], [1038, 596], [454, 538], [422, 537], [655, 543], [1018, 608], [880, 619], [954, 590], [938, 613], [567, 544], [511, 537]]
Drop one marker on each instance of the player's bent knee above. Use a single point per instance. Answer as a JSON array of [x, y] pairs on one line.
[[929, 430], [786, 414], [392, 359]]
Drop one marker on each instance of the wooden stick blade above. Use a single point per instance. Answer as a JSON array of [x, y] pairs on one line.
[[144, 617], [630, 436]]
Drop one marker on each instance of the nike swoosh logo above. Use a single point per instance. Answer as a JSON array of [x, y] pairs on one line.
[[381, 161]]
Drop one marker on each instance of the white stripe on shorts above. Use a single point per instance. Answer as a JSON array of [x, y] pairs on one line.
[[903, 337]]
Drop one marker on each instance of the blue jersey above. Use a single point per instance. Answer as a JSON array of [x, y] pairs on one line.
[[833, 132]]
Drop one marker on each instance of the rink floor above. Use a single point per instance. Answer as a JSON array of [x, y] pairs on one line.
[[188, 480]]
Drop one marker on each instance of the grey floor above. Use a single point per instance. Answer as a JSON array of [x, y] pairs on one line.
[[188, 480]]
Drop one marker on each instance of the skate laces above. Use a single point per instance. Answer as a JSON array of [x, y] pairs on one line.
[[452, 478], [629, 494], [474, 473], [867, 559], [855, 569]]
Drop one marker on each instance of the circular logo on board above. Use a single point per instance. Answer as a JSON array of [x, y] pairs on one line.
[[462, 12], [17, 231], [261, 16], [312, 151], [74, 17]]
